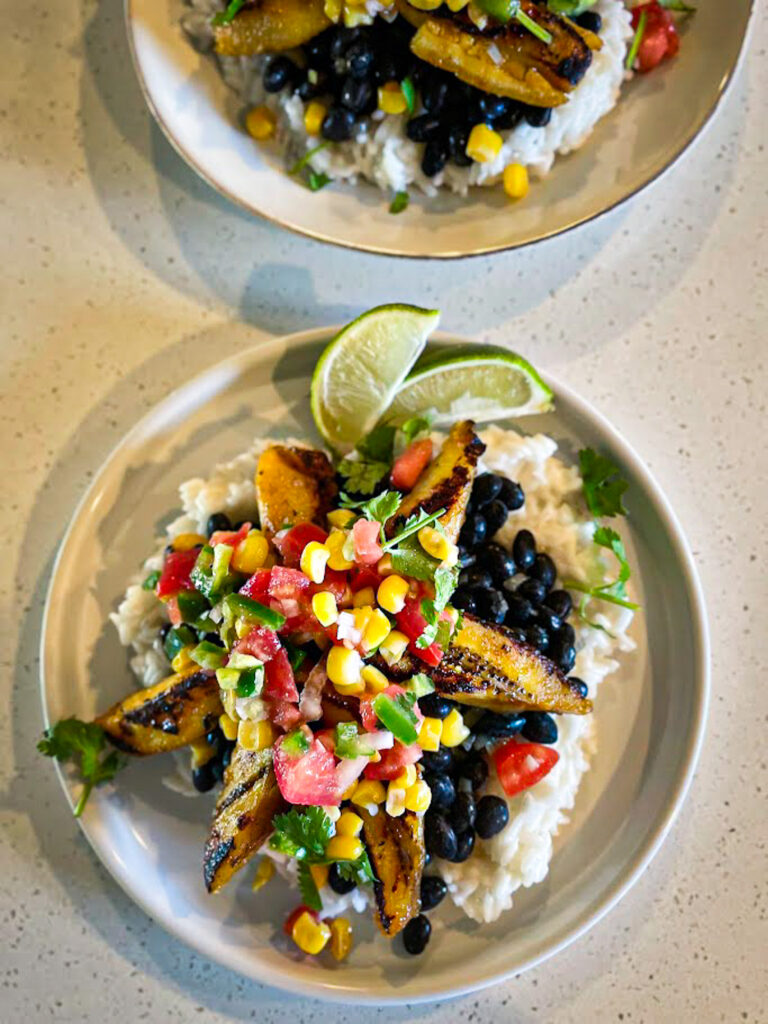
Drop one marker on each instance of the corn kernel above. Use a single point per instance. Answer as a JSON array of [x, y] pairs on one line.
[[310, 936], [429, 734], [260, 123], [187, 541], [406, 778], [367, 792], [341, 938], [363, 597], [335, 544], [374, 679], [344, 667], [454, 731], [314, 116], [202, 752], [344, 848], [255, 735], [324, 608], [437, 544], [265, 869], [392, 593], [333, 9], [426, 5], [418, 797], [395, 800], [384, 565], [349, 824], [340, 517], [456, 5], [516, 181], [391, 98], [376, 630], [251, 553], [314, 559], [319, 874], [484, 144], [393, 648], [182, 661], [228, 726]]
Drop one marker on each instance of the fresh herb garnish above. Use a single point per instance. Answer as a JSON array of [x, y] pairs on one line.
[[410, 559], [359, 870], [677, 5], [415, 427], [412, 525], [446, 579], [151, 581], [602, 483], [317, 180], [636, 40], [506, 10], [375, 450], [302, 834], [399, 202], [379, 509], [571, 8], [616, 591], [581, 611], [307, 887], [228, 15], [307, 158], [378, 444], [83, 742], [409, 92]]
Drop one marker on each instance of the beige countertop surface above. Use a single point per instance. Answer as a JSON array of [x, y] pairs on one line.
[[125, 274]]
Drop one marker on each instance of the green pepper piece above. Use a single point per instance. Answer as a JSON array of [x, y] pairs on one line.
[[238, 605], [191, 605], [396, 714], [177, 638], [208, 655]]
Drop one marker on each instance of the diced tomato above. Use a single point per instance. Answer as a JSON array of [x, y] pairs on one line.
[[393, 761], [285, 716], [411, 622], [177, 569], [290, 543], [362, 578], [261, 642], [411, 464], [174, 613], [279, 684], [294, 916], [335, 582], [367, 714], [660, 39], [257, 587], [522, 765], [366, 534], [231, 537], [309, 779], [287, 583], [326, 737]]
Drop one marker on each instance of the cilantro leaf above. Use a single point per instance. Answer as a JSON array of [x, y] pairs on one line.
[[317, 180], [307, 887], [415, 426], [82, 742], [226, 16], [362, 477], [302, 834], [378, 444], [446, 580], [359, 870], [614, 592], [410, 559], [379, 509], [412, 525], [581, 611], [399, 202], [603, 484]]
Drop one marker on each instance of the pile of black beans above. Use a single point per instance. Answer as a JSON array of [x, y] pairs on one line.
[[207, 775], [345, 66]]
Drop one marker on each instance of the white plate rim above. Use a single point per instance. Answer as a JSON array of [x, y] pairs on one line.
[[685, 145], [328, 989]]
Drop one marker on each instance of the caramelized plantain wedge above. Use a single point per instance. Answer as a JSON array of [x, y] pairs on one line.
[[293, 485], [269, 26], [446, 482], [243, 817], [396, 851], [486, 668], [176, 711]]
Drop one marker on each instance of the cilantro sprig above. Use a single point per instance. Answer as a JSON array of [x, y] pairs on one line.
[[614, 592], [602, 483], [446, 580], [82, 742], [373, 462]]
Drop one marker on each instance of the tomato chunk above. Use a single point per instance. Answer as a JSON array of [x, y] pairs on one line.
[[411, 464], [279, 684], [257, 586], [522, 765], [261, 642], [309, 779], [411, 622], [290, 543], [177, 570], [366, 534], [393, 761], [660, 38], [231, 537]]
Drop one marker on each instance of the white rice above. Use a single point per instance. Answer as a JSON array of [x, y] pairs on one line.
[[381, 152], [554, 511]]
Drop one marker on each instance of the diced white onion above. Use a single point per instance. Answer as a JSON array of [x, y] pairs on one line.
[[382, 739], [349, 770], [495, 54]]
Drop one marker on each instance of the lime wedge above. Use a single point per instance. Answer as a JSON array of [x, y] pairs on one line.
[[362, 368], [480, 382]]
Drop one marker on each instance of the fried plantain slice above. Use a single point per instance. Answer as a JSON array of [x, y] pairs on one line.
[[396, 851], [269, 26], [293, 485]]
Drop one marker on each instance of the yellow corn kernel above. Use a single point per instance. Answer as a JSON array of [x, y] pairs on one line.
[[228, 726], [367, 792], [429, 734], [344, 667], [340, 517], [426, 5], [516, 181], [341, 938], [395, 804], [319, 874], [314, 559], [343, 848], [392, 593], [314, 116], [350, 689], [393, 648], [484, 144], [324, 608], [391, 98], [454, 731], [374, 679], [384, 565], [251, 553], [438, 546], [260, 123], [187, 541], [349, 824], [456, 5], [335, 544], [333, 9], [202, 752], [363, 597], [406, 778], [182, 661], [310, 936], [265, 869], [255, 735], [418, 797], [478, 17], [376, 630]]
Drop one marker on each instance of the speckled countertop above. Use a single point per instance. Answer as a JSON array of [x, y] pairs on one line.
[[123, 272]]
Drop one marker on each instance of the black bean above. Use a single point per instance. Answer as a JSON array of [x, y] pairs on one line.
[[203, 778], [338, 125], [357, 95], [544, 570], [516, 634], [537, 117], [496, 560], [475, 577], [464, 600], [491, 605], [434, 706], [486, 487], [563, 654], [494, 108], [339, 884], [226, 756], [590, 20], [423, 128], [427, 858], [434, 93], [498, 726], [279, 73], [537, 637], [547, 619], [532, 590], [492, 816], [539, 727], [416, 934], [560, 602], [524, 550], [439, 837], [578, 686], [433, 891], [217, 767], [360, 58], [309, 89], [475, 769], [437, 760], [443, 791], [213, 638], [218, 521], [511, 494], [343, 40], [519, 611], [435, 157], [463, 813], [567, 634], [465, 844], [318, 51], [495, 513], [473, 531], [458, 136]]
